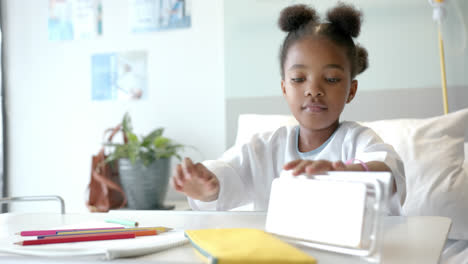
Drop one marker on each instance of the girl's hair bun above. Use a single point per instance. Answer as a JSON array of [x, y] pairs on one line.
[[346, 18], [362, 59], [293, 17]]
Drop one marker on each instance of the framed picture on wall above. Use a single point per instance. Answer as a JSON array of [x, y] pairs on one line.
[[157, 15], [119, 76], [74, 19]]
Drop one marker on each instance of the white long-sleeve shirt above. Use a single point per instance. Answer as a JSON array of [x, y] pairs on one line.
[[246, 172]]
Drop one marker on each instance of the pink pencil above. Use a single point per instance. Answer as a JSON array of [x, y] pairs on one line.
[[54, 232]]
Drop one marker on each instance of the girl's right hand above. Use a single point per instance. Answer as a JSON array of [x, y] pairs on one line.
[[196, 181]]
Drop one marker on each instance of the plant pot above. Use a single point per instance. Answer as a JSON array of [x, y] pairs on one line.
[[144, 186]]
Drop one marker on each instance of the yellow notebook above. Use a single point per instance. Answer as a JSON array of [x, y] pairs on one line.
[[244, 245]]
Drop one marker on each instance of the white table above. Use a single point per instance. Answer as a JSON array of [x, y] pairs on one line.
[[406, 240]]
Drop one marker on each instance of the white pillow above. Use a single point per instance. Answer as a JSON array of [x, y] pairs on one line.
[[466, 155], [432, 150], [251, 124]]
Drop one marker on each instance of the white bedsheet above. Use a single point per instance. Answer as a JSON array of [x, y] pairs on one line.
[[466, 156], [455, 252]]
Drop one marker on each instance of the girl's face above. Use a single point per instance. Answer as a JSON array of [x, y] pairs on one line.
[[317, 82]]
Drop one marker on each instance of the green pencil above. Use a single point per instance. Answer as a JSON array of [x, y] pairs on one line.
[[124, 222]]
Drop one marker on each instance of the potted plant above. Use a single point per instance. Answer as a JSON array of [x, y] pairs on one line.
[[143, 165]]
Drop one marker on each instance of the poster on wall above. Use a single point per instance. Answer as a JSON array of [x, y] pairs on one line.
[[119, 76], [74, 19], [157, 15]]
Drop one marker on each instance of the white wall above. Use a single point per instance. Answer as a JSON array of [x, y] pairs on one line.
[[403, 79], [54, 127]]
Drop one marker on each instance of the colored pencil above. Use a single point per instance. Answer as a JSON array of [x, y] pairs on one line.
[[65, 239], [54, 232], [123, 222], [158, 229], [137, 234]]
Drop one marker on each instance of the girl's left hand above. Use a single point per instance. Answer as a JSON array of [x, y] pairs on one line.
[[313, 166]]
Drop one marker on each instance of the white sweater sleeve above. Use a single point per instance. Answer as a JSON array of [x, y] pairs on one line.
[[235, 174], [245, 173], [230, 186], [372, 148]]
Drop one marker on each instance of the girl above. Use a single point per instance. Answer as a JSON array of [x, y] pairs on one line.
[[319, 62]]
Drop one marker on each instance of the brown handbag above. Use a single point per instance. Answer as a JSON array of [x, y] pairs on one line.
[[105, 192]]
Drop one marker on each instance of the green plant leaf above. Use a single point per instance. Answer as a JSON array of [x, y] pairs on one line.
[[146, 142], [150, 148], [161, 142], [127, 124]]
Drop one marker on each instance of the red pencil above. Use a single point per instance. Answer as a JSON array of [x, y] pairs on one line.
[[83, 238], [53, 232]]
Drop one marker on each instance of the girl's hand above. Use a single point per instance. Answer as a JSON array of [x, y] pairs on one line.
[[313, 166], [196, 181]]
